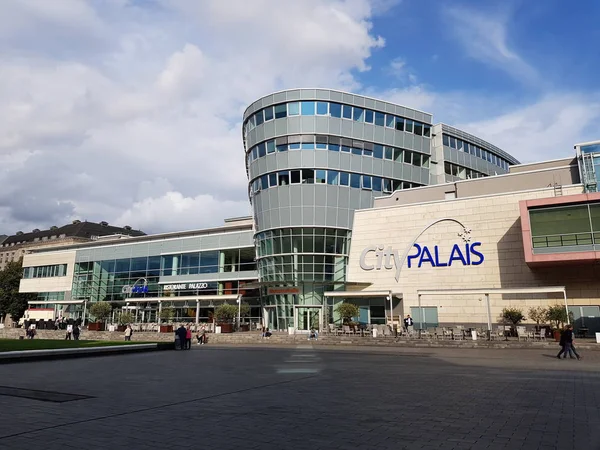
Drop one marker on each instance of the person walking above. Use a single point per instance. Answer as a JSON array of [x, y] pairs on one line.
[[76, 332], [181, 334], [409, 324], [566, 343], [69, 332], [128, 333], [188, 338]]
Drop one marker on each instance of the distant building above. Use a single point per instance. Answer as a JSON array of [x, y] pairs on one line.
[[14, 247]]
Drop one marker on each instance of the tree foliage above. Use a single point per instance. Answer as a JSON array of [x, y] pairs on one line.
[[513, 315], [167, 314], [11, 301], [125, 318], [538, 314], [100, 310], [347, 311], [557, 315]]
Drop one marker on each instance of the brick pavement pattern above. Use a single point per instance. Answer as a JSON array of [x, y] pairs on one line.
[[305, 397]]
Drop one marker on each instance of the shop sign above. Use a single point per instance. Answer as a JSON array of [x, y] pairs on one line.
[[283, 291], [136, 288], [388, 258], [185, 286]]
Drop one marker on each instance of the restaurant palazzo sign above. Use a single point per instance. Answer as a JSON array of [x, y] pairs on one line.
[[376, 257], [185, 286]]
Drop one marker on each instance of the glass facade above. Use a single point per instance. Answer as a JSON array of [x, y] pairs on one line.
[[55, 270], [565, 226], [462, 172], [475, 150], [337, 110]]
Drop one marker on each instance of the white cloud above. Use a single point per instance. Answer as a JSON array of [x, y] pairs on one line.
[[484, 35], [132, 113]]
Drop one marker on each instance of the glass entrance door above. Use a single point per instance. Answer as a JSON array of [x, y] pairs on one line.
[[307, 318], [270, 317]]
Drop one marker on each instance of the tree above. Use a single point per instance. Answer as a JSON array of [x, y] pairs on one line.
[[347, 311], [125, 318], [11, 301], [100, 310], [513, 315], [167, 314], [226, 313], [557, 315], [538, 314]]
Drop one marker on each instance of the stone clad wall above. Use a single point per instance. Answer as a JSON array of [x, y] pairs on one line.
[[495, 222]]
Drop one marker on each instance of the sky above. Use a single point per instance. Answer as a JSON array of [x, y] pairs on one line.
[[129, 111]]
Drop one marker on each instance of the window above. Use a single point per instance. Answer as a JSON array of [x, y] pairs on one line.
[[407, 157], [452, 142], [295, 146], [397, 155], [264, 182], [347, 112], [335, 109], [418, 129], [379, 118], [427, 130], [322, 108], [282, 148], [308, 176], [446, 140], [399, 124], [293, 109], [387, 186], [356, 151], [378, 151], [295, 176], [459, 144], [417, 159], [284, 178], [377, 184], [259, 118], [355, 180], [308, 108], [320, 176], [389, 120], [369, 116], [272, 179], [409, 126], [346, 149], [359, 114], [389, 153], [280, 111], [344, 179], [268, 113], [261, 150], [366, 182], [332, 177], [308, 146], [270, 146], [334, 147]]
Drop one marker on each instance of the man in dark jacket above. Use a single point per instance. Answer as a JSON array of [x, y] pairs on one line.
[[566, 342], [181, 333]]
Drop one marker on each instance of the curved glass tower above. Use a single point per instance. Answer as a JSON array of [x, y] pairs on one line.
[[313, 156]]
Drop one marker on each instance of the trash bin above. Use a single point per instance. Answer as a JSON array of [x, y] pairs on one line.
[[374, 332], [291, 330], [474, 334], [217, 330], [597, 338]]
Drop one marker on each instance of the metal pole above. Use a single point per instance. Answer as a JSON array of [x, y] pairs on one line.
[[391, 311], [239, 300], [421, 314], [489, 316], [197, 311], [85, 310], [566, 307], [158, 317]]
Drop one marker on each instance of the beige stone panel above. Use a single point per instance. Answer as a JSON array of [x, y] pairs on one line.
[[50, 284]]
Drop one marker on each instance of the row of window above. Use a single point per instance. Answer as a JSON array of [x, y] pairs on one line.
[[462, 172], [336, 144], [303, 243], [332, 109], [331, 177], [56, 270], [310, 268], [472, 149]]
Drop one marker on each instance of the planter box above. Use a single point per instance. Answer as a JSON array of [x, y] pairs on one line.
[[556, 334], [244, 327], [166, 328], [226, 327], [96, 326]]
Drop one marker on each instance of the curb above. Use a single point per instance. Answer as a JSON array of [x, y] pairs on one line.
[[68, 353]]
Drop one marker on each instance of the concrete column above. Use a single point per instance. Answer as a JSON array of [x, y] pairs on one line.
[[197, 311], [175, 265], [221, 262]]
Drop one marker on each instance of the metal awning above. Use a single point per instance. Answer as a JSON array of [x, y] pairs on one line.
[[181, 299], [362, 294], [56, 302]]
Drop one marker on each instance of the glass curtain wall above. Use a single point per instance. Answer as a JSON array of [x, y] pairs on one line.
[[565, 226]]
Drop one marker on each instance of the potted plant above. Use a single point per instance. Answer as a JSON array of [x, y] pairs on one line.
[[101, 311], [225, 315], [125, 318], [347, 311], [538, 314], [513, 316], [244, 312], [167, 315], [557, 316]]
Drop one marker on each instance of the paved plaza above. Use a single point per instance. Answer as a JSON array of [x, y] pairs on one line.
[[304, 398]]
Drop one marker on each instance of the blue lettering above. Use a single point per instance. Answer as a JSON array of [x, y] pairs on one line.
[[468, 254], [409, 258], [476, 253], [426, 257], [437, 258], [456, 255]]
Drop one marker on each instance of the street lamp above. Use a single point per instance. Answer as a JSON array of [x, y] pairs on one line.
[[239, 302]]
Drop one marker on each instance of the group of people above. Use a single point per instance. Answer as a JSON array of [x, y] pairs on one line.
[[567, 344], [265, 333], [183, 335], [73, 332]]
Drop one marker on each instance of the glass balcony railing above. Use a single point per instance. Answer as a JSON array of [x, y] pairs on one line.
[[566, 240]]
